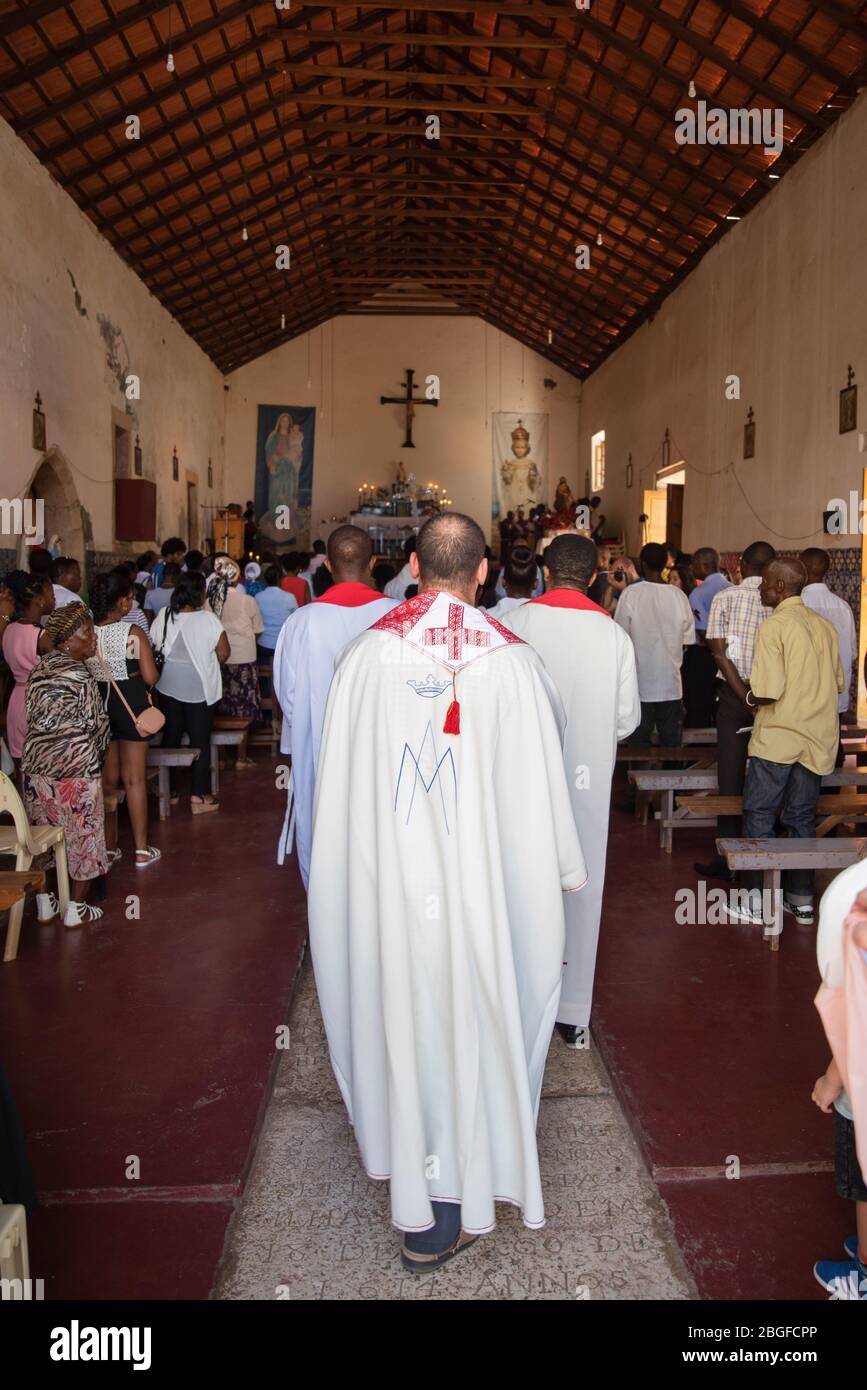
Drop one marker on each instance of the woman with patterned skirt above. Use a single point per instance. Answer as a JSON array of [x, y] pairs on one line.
[[67, 735], [124, 649]]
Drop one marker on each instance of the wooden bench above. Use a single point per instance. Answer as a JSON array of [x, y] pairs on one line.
[[160, 760], [669, 781], [831, 810], [773, 857], [681, 754], [225, 738]]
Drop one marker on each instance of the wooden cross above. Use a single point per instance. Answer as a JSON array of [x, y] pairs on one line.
[[410, 402]]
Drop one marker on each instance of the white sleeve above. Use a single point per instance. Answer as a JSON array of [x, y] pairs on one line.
[[628, 702], [283, 673]]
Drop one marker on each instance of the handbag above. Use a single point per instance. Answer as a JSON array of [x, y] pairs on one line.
[[150, 721]]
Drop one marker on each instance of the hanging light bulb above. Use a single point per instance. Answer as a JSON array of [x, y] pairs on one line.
[[170, 62], [692, 90], [598, 238], [282, 320], [550, 337], [244, 236]]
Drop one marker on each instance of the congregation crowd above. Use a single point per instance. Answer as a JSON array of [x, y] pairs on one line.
[[164, 645]]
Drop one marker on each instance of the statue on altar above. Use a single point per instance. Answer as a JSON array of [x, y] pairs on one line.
[[401, 474], [564, 503], [520, 476]]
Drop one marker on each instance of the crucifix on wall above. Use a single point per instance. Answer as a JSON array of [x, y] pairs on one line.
[[410, 402]]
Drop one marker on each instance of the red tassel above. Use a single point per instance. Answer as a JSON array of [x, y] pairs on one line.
[[453, 719]]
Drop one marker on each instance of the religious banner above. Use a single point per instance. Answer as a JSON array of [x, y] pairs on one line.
[[284, 473], [520, 444]]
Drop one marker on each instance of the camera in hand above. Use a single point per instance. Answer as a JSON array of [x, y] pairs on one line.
[[619, 575]]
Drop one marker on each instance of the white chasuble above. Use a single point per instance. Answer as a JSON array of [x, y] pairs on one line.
[[436, 904], [592, 663], [309, 641]]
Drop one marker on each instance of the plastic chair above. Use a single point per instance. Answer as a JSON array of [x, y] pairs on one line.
[[14, 1258], [26, 841]]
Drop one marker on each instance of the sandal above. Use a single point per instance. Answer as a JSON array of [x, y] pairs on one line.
[[79, 913], [112, 855], [47, 907], [145, 857], [420, 1263], [199, 807]]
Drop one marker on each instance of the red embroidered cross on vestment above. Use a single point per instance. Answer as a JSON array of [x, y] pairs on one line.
[[455, 635]]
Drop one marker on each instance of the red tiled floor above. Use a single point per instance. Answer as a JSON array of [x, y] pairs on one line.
[[759, 1237], [714, 1044], [156, 1037]]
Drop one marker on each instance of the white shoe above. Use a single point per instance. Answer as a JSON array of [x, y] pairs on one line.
[[47, 907], [802, 912], [744, 906], [79, 913]]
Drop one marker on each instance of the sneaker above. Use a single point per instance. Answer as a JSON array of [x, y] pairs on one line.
[[47, 907], [79, 913], [745, 907], [844, 1279], [573, 1036], [850, 1245], [802, 912]]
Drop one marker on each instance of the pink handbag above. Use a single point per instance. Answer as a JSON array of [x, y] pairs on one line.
[[150, 721]]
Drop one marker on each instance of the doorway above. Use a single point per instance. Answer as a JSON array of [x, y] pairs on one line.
[[663, 507], [52, 484]]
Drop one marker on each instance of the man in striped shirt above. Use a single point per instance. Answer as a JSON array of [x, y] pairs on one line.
[[736, 614]]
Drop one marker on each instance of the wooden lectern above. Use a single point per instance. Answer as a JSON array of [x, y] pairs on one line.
[[229, 532]]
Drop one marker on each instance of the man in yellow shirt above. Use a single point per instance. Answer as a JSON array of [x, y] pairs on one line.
[[795, 681]]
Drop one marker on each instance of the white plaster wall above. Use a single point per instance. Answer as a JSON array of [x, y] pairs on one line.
[[345, 366], [782, 302], [46, 344]]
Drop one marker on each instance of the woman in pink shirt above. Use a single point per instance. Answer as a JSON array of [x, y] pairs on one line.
[[23, 644]]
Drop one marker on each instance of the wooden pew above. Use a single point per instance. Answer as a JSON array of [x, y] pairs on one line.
[[831, 810], [773, 857], [669, 781], [225, 738], [159, 761]]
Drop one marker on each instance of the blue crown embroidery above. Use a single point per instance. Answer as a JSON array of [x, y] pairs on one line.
[[430, 687]]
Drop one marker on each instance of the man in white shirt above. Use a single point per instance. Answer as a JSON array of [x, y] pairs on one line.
[[397, 587], [520, 574], [66, 580], [658, 618], [816, 595]]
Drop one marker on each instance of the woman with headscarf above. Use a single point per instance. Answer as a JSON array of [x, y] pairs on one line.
[[253, 584], [68, 733], [242, 618], [24, 641]]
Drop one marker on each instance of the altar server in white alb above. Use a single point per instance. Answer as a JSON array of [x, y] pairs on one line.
[[592, 663], [304, 657], [436, 899]]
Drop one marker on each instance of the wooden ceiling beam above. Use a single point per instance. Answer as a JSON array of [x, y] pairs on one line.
[[482, 7], [813, 62], [846, 18], [294, 98], [415, 77], [339, 37]]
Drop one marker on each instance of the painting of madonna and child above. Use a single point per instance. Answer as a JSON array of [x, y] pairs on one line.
[[284, 473]]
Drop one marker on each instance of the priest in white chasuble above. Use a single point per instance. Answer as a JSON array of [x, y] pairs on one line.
[[304, 658], [592, 663], [436, 899]]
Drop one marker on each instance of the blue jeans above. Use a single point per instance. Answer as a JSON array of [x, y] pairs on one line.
[[791, 791]]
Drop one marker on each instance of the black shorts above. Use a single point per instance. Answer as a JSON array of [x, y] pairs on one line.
[[847, 1170], [135, 693]]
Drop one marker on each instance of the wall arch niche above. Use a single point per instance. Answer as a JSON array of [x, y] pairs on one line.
[[53, 484]]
